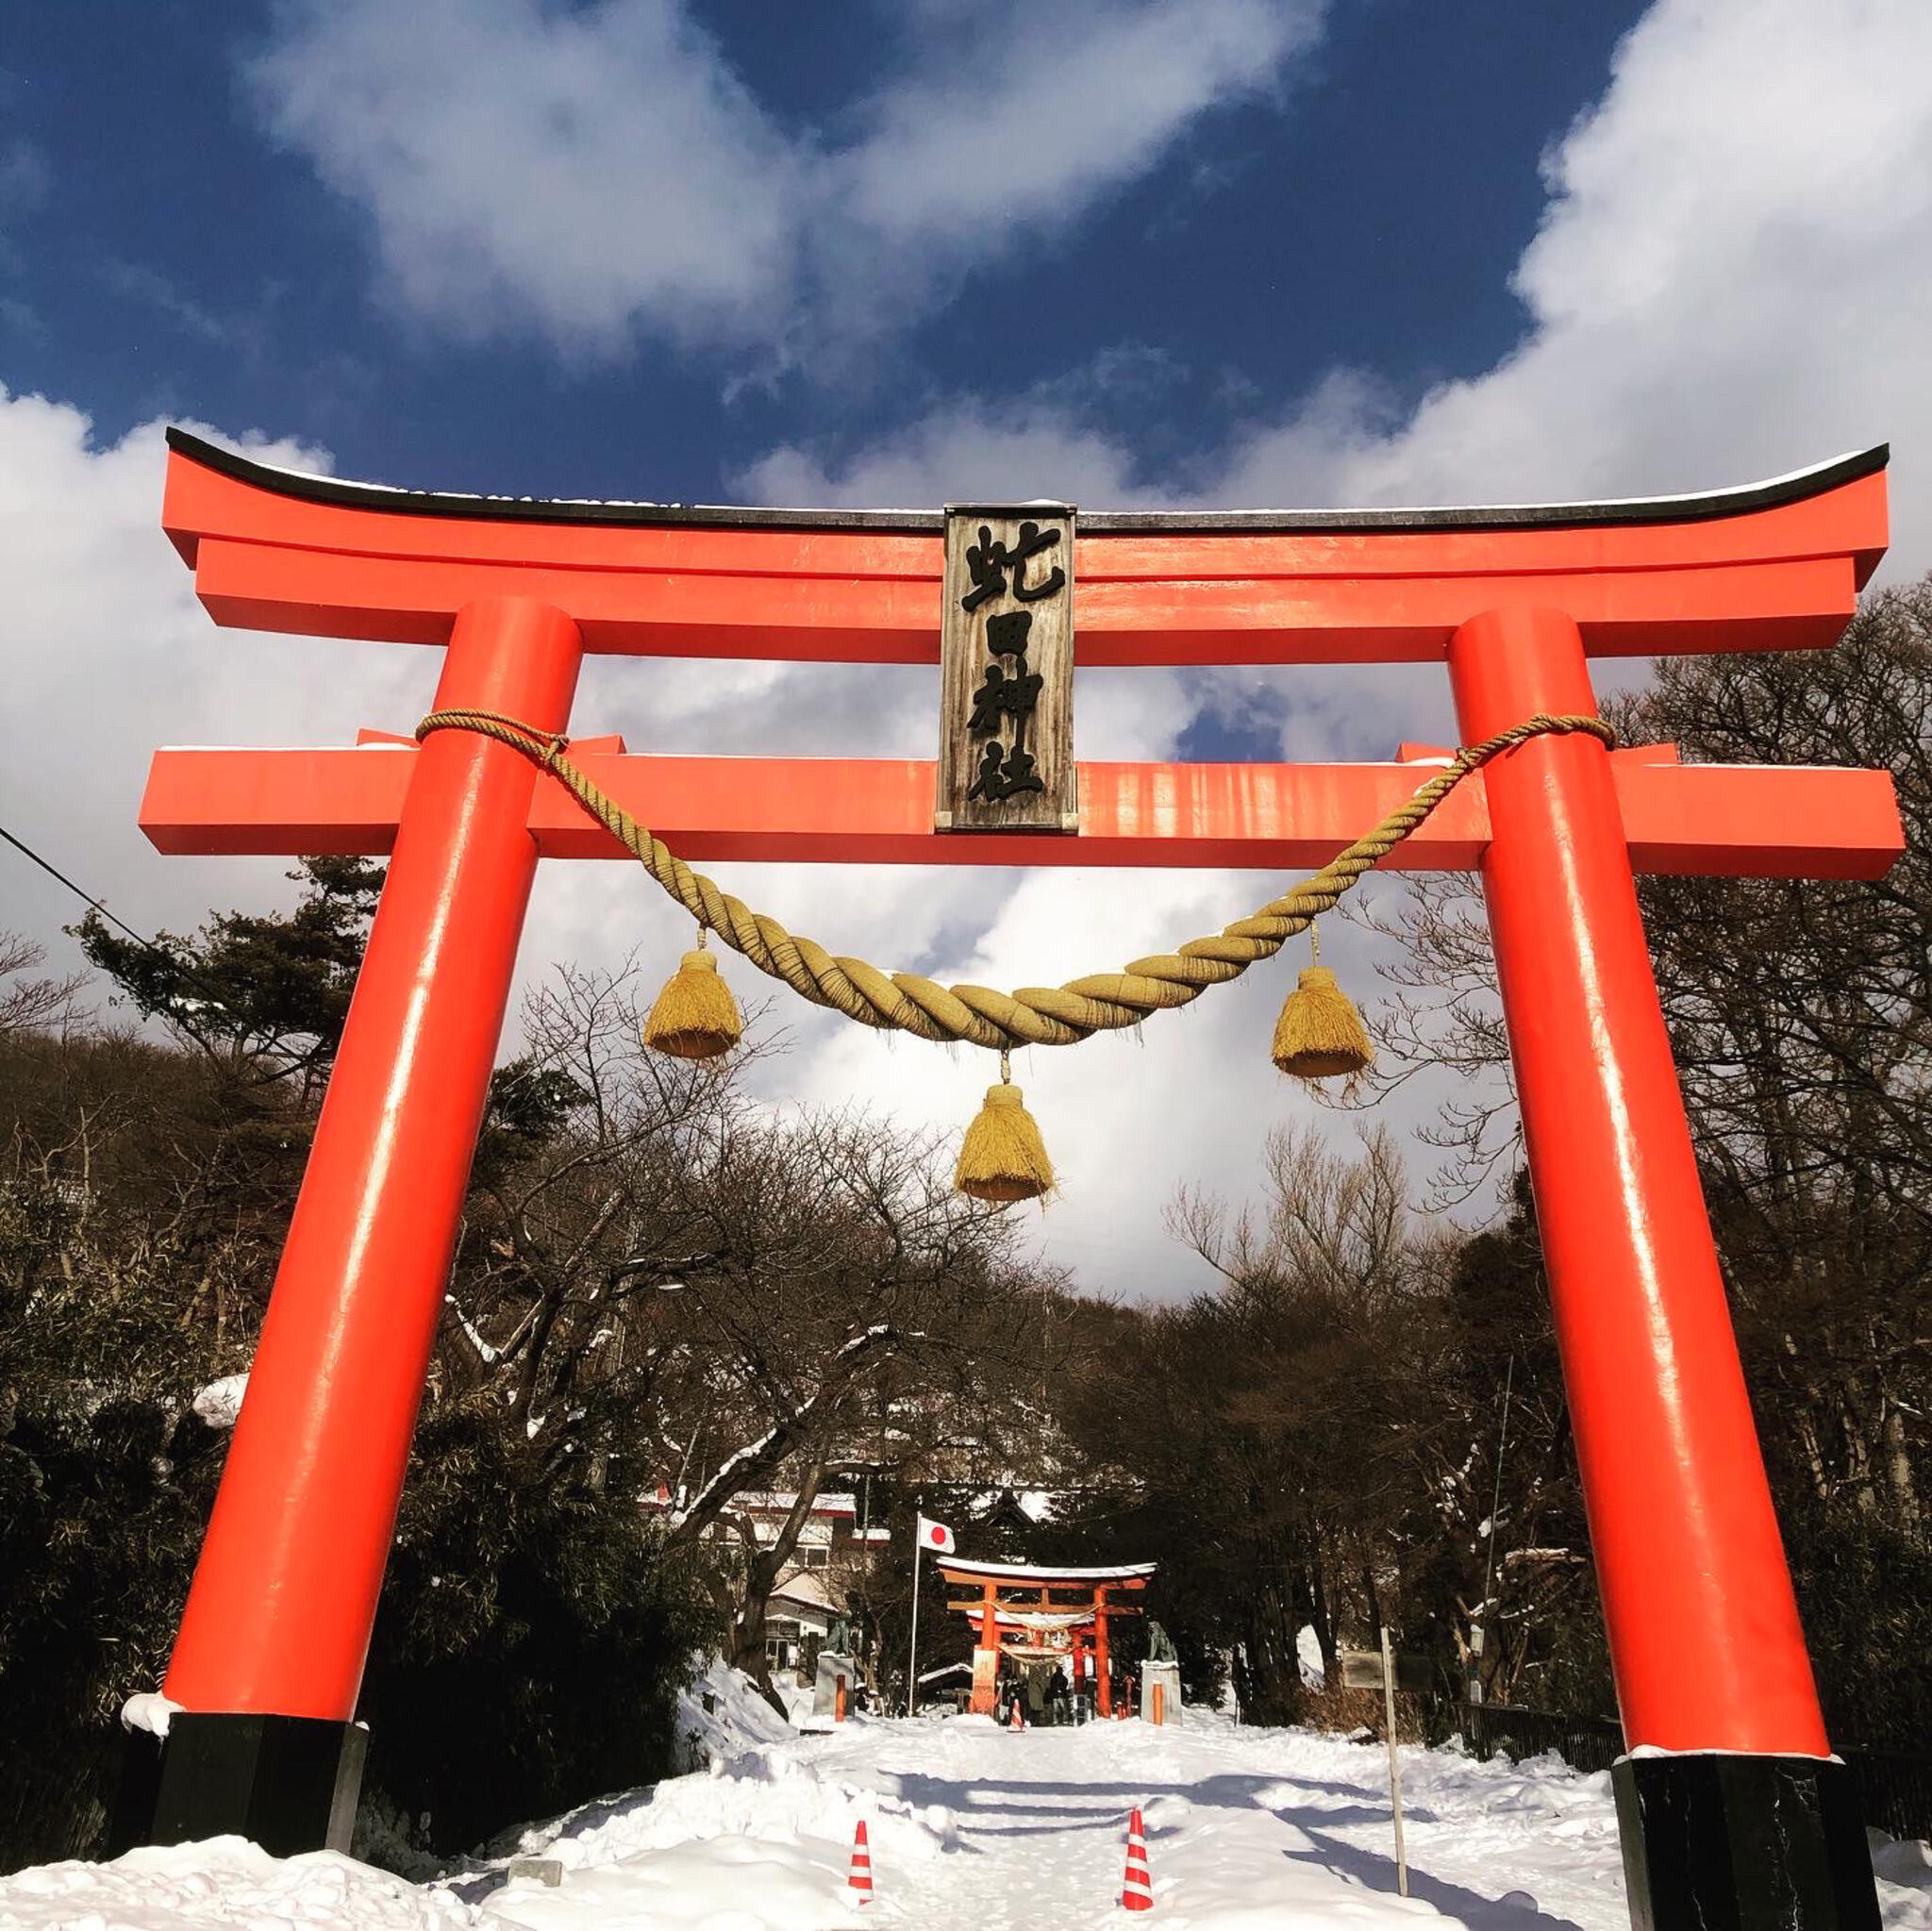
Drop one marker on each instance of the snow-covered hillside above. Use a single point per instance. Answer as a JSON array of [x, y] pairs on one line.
[[972, 1828]]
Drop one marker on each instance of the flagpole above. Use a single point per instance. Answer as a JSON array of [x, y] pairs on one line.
[[912, 1660]]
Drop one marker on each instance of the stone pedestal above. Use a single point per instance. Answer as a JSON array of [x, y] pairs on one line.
[[289, 1784], [986, 1681], [834, 1670], [1166, 1678], [1721, 1842]]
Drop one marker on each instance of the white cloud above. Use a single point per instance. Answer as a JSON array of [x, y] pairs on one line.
[[1126, 1118], [108, 655], [1731, 279], [1028, 448], [1044, 108], [594, 173], [526, 166]]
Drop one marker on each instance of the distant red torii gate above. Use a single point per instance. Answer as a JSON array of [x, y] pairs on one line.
[[1002, 1597], [1703, 1627]]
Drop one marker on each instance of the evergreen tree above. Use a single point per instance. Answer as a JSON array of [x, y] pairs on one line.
[[267, 993]]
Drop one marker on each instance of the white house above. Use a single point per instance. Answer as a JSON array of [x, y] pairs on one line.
[[814, 1587]]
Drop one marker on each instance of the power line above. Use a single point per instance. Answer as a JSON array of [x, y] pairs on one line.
[[54, 870], [189, 972], [190, 975]]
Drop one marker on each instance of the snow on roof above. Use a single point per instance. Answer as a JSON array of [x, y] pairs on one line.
[[1036, 1504], [809, 1587], [1026, 1572], [773, 1503]]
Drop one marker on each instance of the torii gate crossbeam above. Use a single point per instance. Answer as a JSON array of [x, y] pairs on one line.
[[1703, 1631]]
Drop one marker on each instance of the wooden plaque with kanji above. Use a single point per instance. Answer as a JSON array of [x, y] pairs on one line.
[[1007, 670]]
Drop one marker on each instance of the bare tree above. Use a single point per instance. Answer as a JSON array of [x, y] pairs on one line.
[[664, 1286], [32, 1005]]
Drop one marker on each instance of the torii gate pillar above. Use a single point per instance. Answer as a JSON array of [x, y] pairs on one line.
[[269, 1655], [1705, 1644], [311, 1491]]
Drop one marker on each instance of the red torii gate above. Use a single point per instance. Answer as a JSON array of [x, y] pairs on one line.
[[1703, 1631], [1003, 1596]]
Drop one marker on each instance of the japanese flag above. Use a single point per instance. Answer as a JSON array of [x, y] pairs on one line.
[[935, 1537]]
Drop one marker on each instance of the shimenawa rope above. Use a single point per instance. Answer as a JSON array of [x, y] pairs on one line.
[[1033, 1015]]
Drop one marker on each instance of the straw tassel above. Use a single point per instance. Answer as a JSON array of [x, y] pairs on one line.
[[1003, 1158], [695, 1016], [1319, 1035]]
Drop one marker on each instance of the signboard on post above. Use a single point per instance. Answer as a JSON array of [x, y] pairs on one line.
[[1362, 1669], [1390, 1671], [1387, 1671], [1007, 670]]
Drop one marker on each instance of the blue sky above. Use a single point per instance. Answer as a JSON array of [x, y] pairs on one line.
[[1360, 206], [1132, 253]]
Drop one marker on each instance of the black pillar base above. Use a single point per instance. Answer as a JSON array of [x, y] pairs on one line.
[[132, 1817], [288, 1784], [1721, 1842]]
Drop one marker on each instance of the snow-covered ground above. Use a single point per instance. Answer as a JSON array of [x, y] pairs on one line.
[[972, 1828]]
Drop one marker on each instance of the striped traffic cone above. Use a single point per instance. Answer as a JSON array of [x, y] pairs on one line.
[[859, 1878], [1137, 1893], [1017, 1721]]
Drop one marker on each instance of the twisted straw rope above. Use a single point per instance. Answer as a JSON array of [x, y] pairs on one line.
[[1034, 1015]]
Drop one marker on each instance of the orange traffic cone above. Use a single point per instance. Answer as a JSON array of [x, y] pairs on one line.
[[859, 1878], [1137, 1893], [1017, 1721]]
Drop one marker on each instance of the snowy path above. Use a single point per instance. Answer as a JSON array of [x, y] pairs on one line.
[[1279, 1829], [972, 1828], [1037, 1836]]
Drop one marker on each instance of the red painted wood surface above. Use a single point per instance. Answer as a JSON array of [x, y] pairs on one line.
[[1779, 578], [1735, 821], [1704, 1638], [284, 1596], [1703, 1635]]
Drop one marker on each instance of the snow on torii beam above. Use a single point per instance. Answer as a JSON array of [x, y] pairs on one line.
[[1703, 1627]]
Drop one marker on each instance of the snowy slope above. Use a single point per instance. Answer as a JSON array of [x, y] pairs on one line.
[[738, 1720], [972, 1828], [223, 1882]]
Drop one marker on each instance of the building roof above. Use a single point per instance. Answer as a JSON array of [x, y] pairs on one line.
[[808, 1588], [770, 1502]]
